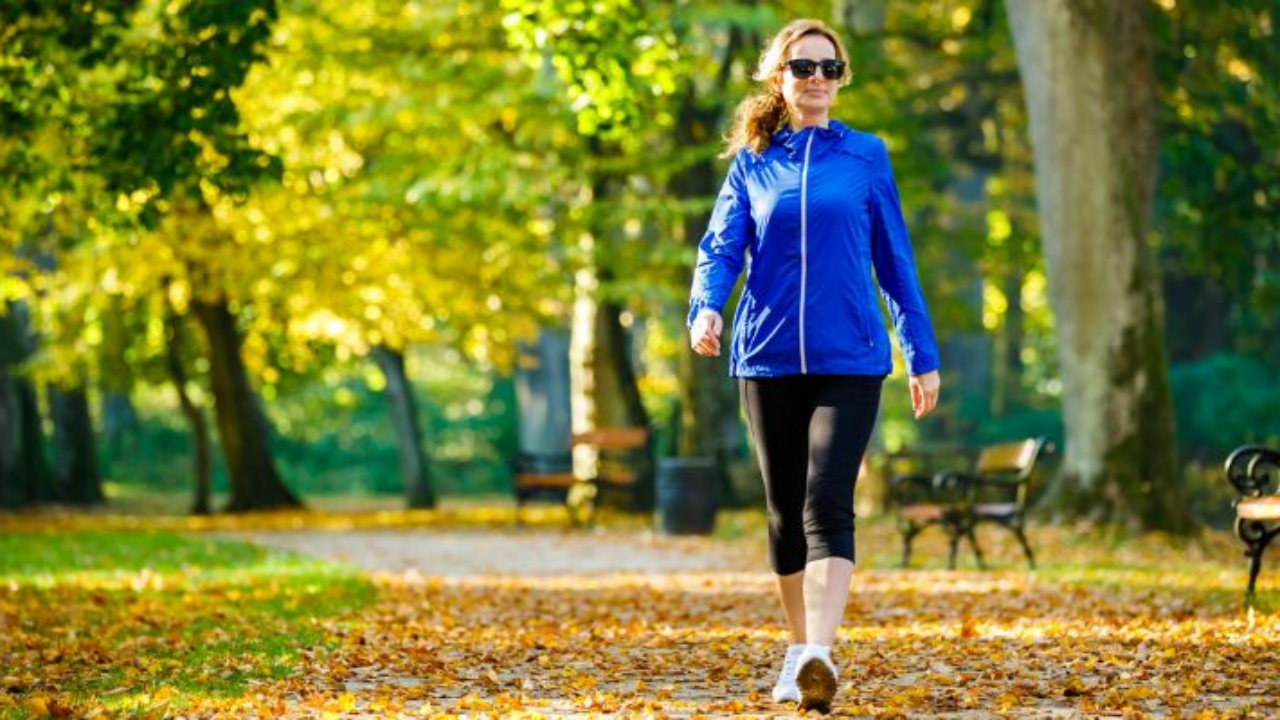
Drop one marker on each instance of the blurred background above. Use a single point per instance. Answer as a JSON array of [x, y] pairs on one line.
[[255, 253]]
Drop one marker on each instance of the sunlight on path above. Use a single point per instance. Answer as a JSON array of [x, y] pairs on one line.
[[456, 554]]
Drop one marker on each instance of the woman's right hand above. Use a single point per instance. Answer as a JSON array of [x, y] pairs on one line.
[[704, 334]]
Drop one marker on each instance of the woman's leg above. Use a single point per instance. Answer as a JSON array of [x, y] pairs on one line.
[[778, 415], [826, 590], [778, 418], [839, 430], [791, 592]]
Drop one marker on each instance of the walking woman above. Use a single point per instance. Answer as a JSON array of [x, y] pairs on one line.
[[814, 205]]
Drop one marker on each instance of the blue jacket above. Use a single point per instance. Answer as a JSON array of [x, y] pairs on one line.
[[817, 212]]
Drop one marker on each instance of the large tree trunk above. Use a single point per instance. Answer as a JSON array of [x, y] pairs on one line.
[[415, 474], [75, 459], [1087, 69], [201, 458], [708, 424], [24, 474], [255, 483]]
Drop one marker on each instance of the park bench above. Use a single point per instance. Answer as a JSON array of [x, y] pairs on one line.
[[621, 454], [958, 502], [1254, 472]]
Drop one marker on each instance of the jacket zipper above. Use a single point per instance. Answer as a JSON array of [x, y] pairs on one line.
[[804, 246]]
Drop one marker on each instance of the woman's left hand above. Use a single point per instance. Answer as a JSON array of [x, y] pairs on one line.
[[924, 392]]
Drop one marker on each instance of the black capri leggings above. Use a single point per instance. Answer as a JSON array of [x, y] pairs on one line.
[[810, 432]]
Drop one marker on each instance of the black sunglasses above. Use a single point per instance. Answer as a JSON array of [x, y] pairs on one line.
[[804, 69]]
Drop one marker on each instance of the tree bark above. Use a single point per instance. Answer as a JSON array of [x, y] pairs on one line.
[[602, 374], [75, 460], [1088, 73], [861, 16], [707, 425], [24, 474], [543, 395], [201, 458], [415, 474], [617, 393], [255, 483]]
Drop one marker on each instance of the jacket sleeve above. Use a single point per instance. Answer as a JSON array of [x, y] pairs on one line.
[[895, 268], [722, 249]]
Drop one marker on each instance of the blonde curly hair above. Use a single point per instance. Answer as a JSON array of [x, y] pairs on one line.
[[761, 114]]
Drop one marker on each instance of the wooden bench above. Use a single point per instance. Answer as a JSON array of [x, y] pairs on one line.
[[957, 501], [620, 449], [1254, 472]]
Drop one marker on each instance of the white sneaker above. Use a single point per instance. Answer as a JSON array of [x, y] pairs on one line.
[[816, 679], [786, 690]]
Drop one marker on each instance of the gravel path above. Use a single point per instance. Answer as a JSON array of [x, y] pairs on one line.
[[520, 553]]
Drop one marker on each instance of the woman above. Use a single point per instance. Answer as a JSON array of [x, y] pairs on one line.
[[816, 206]]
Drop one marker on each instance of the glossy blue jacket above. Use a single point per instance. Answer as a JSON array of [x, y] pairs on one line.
[[816, 213]]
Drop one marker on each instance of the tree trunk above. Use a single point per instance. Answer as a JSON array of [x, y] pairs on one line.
[[861, 17], [617, 393], [1088, 72], [75, 460], [119, 417], [24, 474], [201, 458], [543, 395], [708, 424], [415, 473], [255, 483], [602, 374], [1006, 386]]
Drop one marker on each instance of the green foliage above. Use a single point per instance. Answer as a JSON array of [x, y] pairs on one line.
[[1220, 163], [173, 124], [609, 55], [332, 433], [1224, 401]]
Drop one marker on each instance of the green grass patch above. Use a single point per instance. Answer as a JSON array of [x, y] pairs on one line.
[[134, 621]]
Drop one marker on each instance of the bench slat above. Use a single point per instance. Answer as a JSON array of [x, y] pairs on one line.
[[545, 480], [1259, 508], [614, 438], [1008, 457]]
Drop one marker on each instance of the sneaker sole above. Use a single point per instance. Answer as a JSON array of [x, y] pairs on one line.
[[817, 686]]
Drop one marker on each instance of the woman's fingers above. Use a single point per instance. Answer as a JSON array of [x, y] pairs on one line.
[[924, 392], [704, 335]]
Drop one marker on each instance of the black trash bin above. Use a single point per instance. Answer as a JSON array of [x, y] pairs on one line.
[[688, 495]]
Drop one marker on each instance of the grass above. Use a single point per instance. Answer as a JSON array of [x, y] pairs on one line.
[[149, 618]]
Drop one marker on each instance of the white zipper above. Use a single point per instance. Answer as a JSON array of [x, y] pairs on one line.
[[804, 245]]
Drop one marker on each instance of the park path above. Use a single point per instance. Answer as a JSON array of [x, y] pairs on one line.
[[539, 622], [518, 580], [516, 552]]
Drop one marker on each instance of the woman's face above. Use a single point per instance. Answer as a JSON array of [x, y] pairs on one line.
[[809, 100]]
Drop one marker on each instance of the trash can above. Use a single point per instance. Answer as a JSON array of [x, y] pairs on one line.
[[688, 495]]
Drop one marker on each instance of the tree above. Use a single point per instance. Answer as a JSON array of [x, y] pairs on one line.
[[409, 212], [24, 474], [1220, 178], [1089, 77]]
